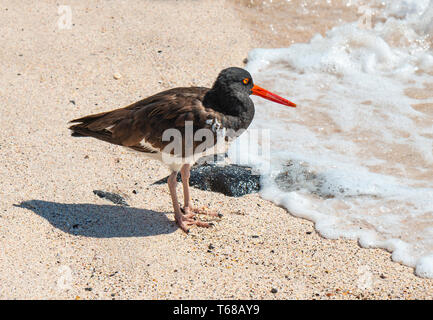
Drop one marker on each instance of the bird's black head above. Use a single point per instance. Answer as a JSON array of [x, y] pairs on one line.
[[234, 81], [231, 93]]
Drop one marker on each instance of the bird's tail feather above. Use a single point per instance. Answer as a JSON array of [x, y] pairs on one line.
[[79, 130], [96, 125]]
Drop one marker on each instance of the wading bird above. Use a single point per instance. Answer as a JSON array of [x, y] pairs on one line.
[[202, 117]]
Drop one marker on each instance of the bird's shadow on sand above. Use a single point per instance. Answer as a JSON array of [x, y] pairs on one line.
[[101, 221]]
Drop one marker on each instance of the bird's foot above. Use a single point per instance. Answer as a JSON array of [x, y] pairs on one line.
[[188, 219], [202, 210]]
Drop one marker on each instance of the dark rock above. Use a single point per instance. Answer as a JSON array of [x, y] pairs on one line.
[[296, 175], [88, 289], [211, 246], [231, 180], [274, 290], [113, 197]]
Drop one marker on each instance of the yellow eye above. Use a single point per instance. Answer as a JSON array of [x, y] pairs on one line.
[[246, 81]]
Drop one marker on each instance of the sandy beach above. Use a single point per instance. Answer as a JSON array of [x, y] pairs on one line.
[[59, 240]]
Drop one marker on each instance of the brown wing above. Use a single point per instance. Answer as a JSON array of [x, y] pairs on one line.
[[147, 120]]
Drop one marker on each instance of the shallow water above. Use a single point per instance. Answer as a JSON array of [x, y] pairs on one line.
[[356, 155]]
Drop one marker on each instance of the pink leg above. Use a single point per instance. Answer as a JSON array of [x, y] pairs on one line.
[[185, 174], [188, 205], [182, 220]]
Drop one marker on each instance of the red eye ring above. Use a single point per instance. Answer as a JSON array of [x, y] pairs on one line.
[[246, 81]]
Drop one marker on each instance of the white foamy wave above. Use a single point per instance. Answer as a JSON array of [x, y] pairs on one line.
[[356, 156]]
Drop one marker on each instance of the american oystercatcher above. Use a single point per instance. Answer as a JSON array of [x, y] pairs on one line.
[[180, 125]]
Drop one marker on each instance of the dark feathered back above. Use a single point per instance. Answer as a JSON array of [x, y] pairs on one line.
[[148, 119]]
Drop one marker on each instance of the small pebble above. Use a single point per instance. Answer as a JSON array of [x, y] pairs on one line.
[[274, 290], [117, 76], [113, 197]]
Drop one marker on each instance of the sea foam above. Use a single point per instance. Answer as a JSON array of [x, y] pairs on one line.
[[356, 155]]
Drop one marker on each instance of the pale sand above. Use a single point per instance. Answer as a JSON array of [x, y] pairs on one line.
[[65, 239]]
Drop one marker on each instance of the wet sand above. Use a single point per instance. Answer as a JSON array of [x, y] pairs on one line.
[[59, 240]]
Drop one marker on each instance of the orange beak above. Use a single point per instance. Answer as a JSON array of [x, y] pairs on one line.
[[257, 91]]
